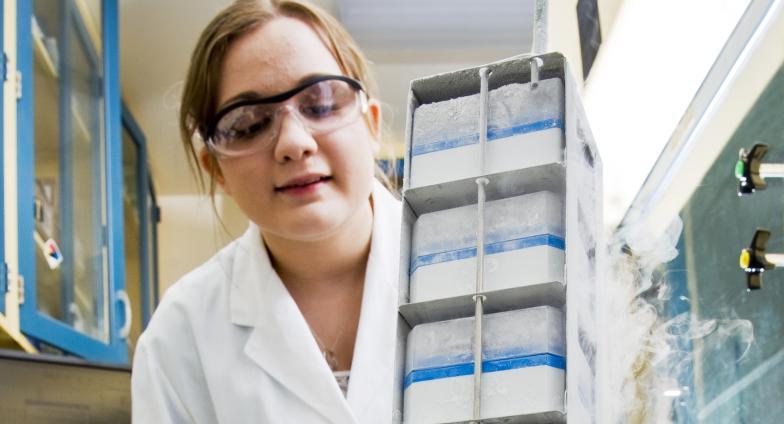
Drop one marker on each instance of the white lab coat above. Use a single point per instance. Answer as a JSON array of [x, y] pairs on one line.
[[228, 343]]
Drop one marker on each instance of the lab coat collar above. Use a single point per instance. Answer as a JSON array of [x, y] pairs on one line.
[[281, 336], [280, 341], [369, 390]]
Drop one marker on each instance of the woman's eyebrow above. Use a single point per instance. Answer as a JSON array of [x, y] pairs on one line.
[[245, 95], [310, 77], [253, 95]]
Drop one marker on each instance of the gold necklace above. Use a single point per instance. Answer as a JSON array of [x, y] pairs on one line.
[[329, 353]]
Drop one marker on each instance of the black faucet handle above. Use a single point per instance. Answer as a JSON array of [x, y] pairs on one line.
[[747, 169], [753, 260]]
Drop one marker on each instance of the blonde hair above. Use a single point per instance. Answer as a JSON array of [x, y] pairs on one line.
[[200, 91]]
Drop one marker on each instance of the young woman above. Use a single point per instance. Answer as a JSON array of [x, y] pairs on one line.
[[294, 322]]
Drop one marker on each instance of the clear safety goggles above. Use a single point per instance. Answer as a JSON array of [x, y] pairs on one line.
[[322, 105]]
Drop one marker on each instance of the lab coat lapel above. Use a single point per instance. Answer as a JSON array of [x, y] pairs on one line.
[[280, 342], [370, 387]]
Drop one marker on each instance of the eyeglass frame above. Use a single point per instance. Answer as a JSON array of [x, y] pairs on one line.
[[278, 98]]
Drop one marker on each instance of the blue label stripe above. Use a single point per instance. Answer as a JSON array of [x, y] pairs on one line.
[[503, 364], [492, 134], [492, 248]]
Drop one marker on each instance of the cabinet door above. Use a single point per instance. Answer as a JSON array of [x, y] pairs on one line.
[[141, 214], [3, 267], [70, 178]]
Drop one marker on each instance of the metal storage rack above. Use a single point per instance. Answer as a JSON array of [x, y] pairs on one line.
[[576, 178]]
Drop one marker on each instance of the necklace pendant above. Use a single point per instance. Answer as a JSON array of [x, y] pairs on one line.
[[332, 361]]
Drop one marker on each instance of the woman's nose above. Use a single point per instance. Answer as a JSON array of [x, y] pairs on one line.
[[294, 139]]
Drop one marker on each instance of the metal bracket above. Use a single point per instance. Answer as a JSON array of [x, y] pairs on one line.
[[536, 65], [18, 85], [20, 284], [3, 279], [4, 64], [156, 214]]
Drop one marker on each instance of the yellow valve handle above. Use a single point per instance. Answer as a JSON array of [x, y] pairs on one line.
[[745, 258]]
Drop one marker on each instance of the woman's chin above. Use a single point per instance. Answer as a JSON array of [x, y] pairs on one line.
[[310, 227], [317, 221]]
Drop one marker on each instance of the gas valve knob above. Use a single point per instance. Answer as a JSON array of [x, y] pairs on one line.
[[751, 172], [754, 260]]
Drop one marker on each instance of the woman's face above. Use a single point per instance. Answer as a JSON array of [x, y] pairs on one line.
[[336, 168]]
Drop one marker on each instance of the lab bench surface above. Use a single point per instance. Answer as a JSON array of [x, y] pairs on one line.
[[52, 389]]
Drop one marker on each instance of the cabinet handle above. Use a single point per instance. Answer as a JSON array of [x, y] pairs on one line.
[[125, 330]]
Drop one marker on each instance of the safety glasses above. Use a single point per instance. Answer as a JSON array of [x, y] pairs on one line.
[[322, 104]]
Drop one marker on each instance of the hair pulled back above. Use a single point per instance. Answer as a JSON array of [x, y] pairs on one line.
[[200, 90]]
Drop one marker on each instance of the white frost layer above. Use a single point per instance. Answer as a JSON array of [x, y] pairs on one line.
[[521, 332], [509, 105], [505, 219]]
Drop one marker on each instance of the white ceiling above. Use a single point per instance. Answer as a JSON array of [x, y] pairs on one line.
[[439, 24], [157, 38]]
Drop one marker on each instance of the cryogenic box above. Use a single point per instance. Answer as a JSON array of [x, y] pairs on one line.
[[524, 245], [522, 362], [524, 129]]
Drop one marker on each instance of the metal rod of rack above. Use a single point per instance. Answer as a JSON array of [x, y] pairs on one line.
[[479, 299], [539, 44]]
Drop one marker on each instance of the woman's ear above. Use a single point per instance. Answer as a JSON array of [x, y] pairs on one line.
[[374, 120], [209, 164]]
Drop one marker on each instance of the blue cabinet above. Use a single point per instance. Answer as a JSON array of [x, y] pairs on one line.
[[70, 178]]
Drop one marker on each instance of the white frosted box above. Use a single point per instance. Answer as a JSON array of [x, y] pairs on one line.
[[522, 364], [524, 245], [524, 129]]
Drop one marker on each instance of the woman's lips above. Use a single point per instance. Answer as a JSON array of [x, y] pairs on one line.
[[303, 185]]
